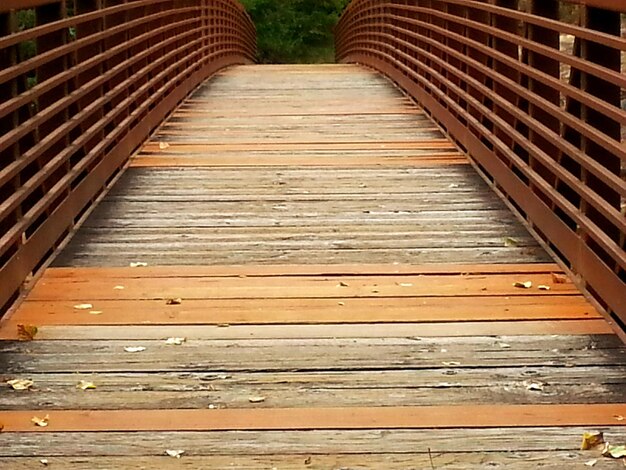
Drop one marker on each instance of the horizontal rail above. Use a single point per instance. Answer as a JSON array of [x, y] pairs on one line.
[[83, 86], [536, 100]]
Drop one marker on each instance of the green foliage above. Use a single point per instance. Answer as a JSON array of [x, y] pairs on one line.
[[296, 31]]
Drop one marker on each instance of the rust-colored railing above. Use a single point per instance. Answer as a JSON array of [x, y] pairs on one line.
[[82, 85], [532, 90]]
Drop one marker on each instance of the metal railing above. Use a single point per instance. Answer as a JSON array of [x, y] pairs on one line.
[[82, 84], [532, 90]]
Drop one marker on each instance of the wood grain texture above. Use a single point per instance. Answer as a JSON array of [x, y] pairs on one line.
[[426, 417], [335, 255]]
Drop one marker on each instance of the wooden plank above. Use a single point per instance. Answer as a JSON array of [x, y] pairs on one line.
[[198, 390], [338, 354], [315, 311], [438, 417], [328, 287], [77, 330], [143, 161], [547, 460], [362, 443], [196, 147], [299, 270]]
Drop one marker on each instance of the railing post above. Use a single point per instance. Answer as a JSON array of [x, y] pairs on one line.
[[9, 57], [512, 50], [546, 9], [48, 14]]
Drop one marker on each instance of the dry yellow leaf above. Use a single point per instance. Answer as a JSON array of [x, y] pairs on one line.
[[41, 422], [175, 341], [119, 288], [84, 385], [21, 384], [619, 417], [615, 452], [510, 242], [164, 145], [591, 440], [95, 312], [26, 332], [560, 278], [175, 453], [256, 399], [451, 364], [83, 306], [523, 285], [134, 349], [138, 264], [542, 287]]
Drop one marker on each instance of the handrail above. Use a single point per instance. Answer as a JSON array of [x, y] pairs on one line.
[[543, 122], [103, 77]]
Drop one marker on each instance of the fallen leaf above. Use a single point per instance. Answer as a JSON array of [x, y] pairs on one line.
[[619, 417], [138, 264], [451, 364], [95, 312], [615, 452], [21, 384], [510, 242], [26, 332], [542, 287], [256, 399], [405, 284], [341, 304], [308, 461], [41, 422], [175, 341], [591, 463], [523, 285], [504, 345], [134, 349], [83, 306], [559, 278], [44, 462], [175, 453], [591, 440], [223, 325], [164, 145], [177, 301], [534, 387], [83, 385], [119, 288], [342, 284]]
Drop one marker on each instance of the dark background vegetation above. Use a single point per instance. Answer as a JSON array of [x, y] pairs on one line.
[[295, 31]]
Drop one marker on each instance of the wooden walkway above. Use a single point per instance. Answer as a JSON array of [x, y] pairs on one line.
[[300, 271]]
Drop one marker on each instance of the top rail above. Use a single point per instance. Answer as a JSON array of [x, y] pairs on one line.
[[84, 83], [535, 99]]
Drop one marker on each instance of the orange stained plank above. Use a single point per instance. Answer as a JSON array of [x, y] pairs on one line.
[[213, 161], [467, 416], [203, 147], [299, 311], [209, 112], [298, 270], [328, 330], [476, 285]]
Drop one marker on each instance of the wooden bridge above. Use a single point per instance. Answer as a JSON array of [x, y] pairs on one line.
[[411, 259]]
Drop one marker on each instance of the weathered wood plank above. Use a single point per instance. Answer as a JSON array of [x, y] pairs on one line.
[[270, 443], [312, 354], [193, 390], [573, 460]]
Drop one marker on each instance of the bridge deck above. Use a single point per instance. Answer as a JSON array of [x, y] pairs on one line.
[[344, 285]]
